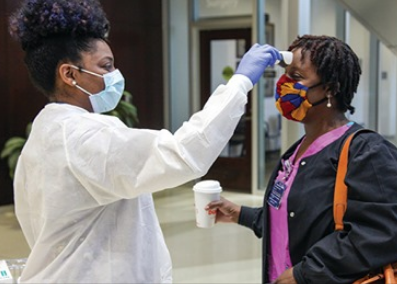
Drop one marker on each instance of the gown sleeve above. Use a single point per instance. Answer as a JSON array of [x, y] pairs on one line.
[[115, 162]]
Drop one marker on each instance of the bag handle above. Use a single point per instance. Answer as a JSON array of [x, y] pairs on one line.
[[340, 194], [340, 204]]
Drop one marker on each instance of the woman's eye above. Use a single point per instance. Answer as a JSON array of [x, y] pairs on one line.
[[108, 67], [295, 76]]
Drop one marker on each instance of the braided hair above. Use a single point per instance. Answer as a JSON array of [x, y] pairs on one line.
[[55, 31], [336, 63]]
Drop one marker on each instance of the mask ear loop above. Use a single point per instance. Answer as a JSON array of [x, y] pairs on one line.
[[80, 88], [327, 98], [320, 102], [86, 71]]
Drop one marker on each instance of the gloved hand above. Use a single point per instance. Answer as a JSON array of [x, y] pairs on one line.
[[255, 61]]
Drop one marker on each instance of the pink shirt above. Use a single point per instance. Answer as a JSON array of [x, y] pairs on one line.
[[279, 257]]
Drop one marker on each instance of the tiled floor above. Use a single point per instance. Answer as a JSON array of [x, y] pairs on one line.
[[227, 253]]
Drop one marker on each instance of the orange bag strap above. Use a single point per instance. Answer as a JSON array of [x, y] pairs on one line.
[[340, 194]]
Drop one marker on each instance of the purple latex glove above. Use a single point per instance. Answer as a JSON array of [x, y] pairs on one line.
[[255, 61]]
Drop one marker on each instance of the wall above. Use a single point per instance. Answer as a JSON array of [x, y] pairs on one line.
[[323, 23], [137, 43], [358, 38], [20, 100], [377, 16], [5, 181], [223, 8], [387, 92]]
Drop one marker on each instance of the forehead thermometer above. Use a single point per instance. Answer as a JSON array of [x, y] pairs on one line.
[[286, 58]]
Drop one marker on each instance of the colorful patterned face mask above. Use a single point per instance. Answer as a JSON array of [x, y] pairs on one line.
[[291, 99]]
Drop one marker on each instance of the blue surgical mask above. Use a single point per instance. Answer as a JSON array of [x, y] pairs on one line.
[[107, 99]]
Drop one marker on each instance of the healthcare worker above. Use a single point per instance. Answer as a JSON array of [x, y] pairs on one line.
[[84, 180]]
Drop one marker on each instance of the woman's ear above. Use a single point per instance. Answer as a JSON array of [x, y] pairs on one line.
[[333, 88], [67, 74]]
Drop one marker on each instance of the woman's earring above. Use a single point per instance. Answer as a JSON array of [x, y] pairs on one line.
[[329, 101]]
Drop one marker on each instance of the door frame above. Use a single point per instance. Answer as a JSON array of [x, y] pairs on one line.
[[234, 173]]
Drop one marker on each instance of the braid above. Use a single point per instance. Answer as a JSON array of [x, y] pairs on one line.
[[336, 63]]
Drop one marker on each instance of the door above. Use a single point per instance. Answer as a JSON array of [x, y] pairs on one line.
[[220, 53]]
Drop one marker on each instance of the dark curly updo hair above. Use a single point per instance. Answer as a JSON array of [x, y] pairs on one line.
[[337, 65], [55, 31]]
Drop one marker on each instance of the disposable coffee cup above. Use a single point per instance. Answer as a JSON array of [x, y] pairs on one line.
[[204, 192]]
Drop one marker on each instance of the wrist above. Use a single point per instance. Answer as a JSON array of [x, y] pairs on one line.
[[241, 81], [236, 214]]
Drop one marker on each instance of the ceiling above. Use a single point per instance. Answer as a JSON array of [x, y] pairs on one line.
[[378, 16]]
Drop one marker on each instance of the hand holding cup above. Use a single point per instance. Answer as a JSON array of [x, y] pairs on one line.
[[205, 192]]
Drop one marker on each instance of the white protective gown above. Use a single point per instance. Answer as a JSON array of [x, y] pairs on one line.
[[83, 188]]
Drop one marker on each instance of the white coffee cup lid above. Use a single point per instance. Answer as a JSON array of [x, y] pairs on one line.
[[208, 186]]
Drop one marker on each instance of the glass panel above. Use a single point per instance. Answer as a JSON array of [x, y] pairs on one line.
[[387, 119], [272, 122], [358, 37], [225, 56]]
